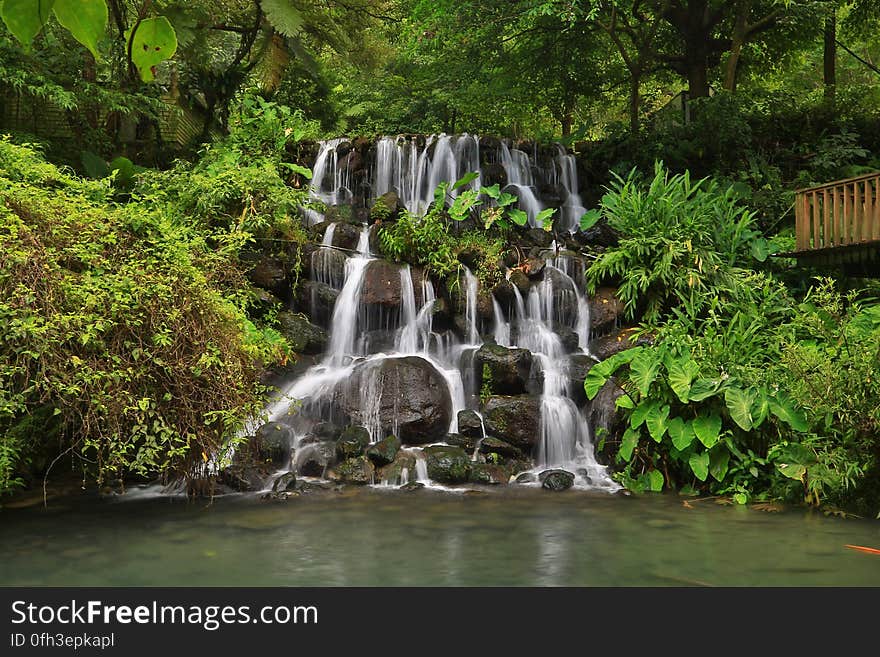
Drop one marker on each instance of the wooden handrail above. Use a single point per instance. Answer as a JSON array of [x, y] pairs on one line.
[[838, 213]]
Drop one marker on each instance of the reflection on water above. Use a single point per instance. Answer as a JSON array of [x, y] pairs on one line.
[[389, 538]]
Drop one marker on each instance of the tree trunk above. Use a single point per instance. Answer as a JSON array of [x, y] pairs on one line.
[[566, 124], [829, 60], [634, 101], [740, 32], [698, 77]]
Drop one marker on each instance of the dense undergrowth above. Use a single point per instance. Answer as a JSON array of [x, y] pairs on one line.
[[750, 389], [125, 341]]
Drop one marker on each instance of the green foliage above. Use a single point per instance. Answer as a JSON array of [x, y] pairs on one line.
[[116, 319], [680, 240], [150, 42], [422, 241]]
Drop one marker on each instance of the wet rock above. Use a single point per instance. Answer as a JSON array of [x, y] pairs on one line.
[[448, 465], [503, 292], [507, 368], [316, 300], [302, 336], [467, 443], [556, 480], [538, 237], [487, 473], [382, 284], [601, 234], [270, 273], [264, 302], [519, 278], [494, 174], [386, 207], [605, 310], [384, 451], [607, 420], [403, 466], [346, 235], [357, 470], [352, 442], [470, 424], [273, 441], [407, 395], [515, 420], [284, 483], [579, 365], [619, 340], [326, 431], [313, 460], [491, 445], [533, 267], [526, 478], [412, 485]]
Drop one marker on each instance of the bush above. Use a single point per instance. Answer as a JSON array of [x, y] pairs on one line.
[[114, 324]]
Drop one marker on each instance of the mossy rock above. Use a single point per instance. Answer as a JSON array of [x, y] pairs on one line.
[[383, 452], [357, 470], [448, 465], [353, 441]]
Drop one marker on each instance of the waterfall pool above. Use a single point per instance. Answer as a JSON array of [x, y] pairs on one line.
[[373, 537]]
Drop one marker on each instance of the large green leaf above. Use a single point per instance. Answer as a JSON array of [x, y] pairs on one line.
[[152, 42], [760, 408], [708, 429], [505, 199], [542, 219], [656, 422], [518, 217], [589, 219], [644, 369], [641, 412], [600, 372], [682, 372], [492, 192], [784, 408], [700, 465], [739, 405], [655, 481], [25, 18], [719, 458], [466, 179], [703, 389], [681, 432], [284, 16], [628, 444], [86, 20], [794, 471]]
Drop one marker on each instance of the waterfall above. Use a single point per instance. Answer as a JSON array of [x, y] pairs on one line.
[[346, 310]]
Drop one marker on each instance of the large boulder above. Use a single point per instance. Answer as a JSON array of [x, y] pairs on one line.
[[404, 395], [317, 301], [467, 443], [353, 441], [346, 235], [357, 470], [272, 441], [448, 465], [384, 451], [402, 469], [270, 273], [618, 340], [605, 310], [579, 365], [607, 420], [515, 420], [470, 424], [556, 480], [488, 473], [491, 445], [302, 336], [314, 459], [505, 370], [382, 285]]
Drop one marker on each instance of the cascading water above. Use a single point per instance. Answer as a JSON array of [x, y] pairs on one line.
[[366, 335]]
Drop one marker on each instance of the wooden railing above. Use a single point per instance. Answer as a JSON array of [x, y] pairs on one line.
[[838, 213]]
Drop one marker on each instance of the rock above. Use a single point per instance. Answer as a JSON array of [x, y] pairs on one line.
[[579, 365], [519, 278], [538, 237], [264, 302], [605, 310], [326, 431], [412, 485], [619, 340], [556, 480], [508, 368], [386, 207], [302, 336], [553, 196], [526, 478], [494, 174], [393, 473], [383, 452], [470, 424], [516, 420], [353, 441], [346, 235], [448, 465], [270, 274], [313, 460], [316, 300], [357, 470], [503, 292], [470, 258], [607, 421], [487, 473], [273, 441], [382, 284], [467, 443], [284, 483], [328, 266], [406, 394], [492, 445], [533, 267], [601, 234]]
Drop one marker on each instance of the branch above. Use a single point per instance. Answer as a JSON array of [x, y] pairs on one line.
[[863, 61]]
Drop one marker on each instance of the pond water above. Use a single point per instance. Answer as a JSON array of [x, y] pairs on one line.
[[373, 537]]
